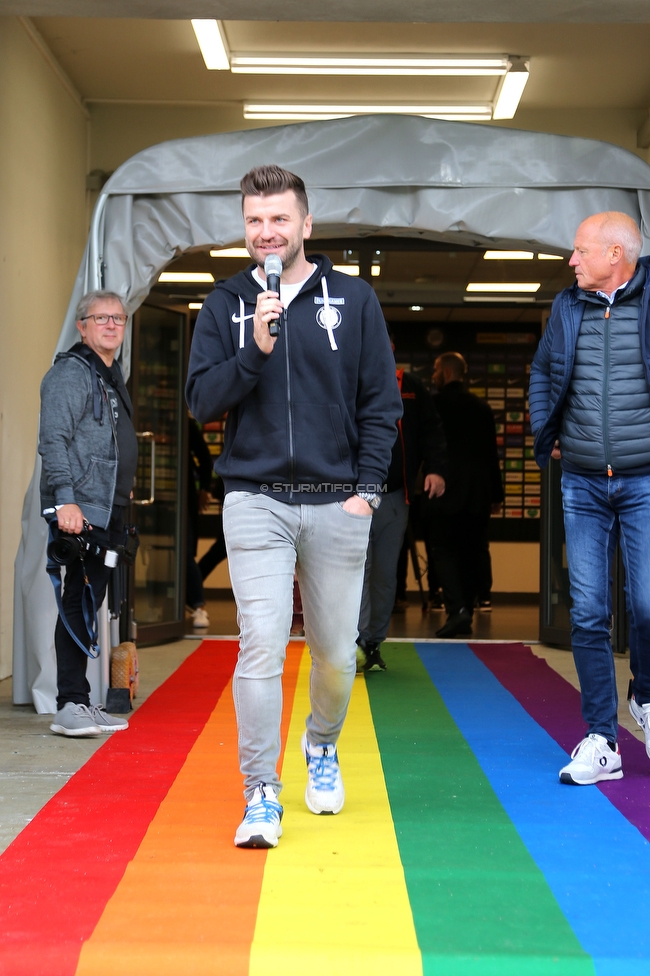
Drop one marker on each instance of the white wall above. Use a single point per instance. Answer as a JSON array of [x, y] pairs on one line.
[[42, 236]]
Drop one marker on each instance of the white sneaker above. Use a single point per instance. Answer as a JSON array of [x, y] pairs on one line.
[[107, 723], [324, 793], [641, 715], [261, 826], [200, 618], [591, 761], [75, 720]]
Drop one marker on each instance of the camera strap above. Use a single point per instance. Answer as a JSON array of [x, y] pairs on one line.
[[88, 605]]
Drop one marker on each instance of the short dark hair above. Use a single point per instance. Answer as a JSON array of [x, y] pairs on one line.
[[263, 181], [455, 362]]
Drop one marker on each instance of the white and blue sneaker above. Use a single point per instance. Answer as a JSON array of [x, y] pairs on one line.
[[324, 793], [592, 760], [641, 715], [261, 826]]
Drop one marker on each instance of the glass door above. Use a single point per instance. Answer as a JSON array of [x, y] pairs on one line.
[[157, 382]]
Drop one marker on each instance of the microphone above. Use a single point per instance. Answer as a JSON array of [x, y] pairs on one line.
[[273, 270]]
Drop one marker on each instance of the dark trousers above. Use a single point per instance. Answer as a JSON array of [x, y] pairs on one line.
[[456, 545], [71, 661], [215, 554]]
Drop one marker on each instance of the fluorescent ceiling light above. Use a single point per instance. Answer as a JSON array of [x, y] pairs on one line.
[[348, 269], [230, 252], [505, 286], [550, 257], [508, 256], [340, 64], [185, 276], [512, 88], [213, 44], [490, 298], [308, 112], [195, 305]]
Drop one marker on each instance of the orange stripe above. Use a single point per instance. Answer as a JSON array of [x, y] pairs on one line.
[[188, 901]]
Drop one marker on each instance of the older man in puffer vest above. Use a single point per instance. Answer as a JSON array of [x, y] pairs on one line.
[[590, 406]]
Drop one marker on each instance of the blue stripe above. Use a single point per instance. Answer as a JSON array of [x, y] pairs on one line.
[[595, 862]]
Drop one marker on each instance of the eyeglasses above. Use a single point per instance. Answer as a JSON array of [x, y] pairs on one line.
[[119, 320]]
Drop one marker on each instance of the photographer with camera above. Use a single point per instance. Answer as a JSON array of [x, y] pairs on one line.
[[89, 450]]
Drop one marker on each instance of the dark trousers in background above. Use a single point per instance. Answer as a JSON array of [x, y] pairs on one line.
[[457, 544], [72, 684]]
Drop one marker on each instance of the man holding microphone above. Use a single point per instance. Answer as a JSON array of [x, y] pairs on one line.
[[312, 414]]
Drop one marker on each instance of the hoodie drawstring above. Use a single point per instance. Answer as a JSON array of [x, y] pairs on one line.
[[242, 324], [326, 314]]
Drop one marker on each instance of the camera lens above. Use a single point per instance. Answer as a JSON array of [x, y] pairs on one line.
[[65, 549]]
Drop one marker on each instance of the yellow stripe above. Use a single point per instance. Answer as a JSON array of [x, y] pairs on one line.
[[334, 899]]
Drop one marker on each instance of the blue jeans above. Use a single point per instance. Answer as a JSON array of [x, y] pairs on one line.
[[597, 511], [326, 546]]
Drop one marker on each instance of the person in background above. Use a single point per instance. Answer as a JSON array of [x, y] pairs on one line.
[[420, 443], [589, 402], [312, 411], [89, 450], [457, 524], [198, 499]]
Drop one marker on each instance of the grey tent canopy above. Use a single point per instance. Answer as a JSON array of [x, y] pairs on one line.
[[405, 176]]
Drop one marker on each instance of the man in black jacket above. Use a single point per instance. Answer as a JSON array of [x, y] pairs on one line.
[[457, 524], [312, 416], [420, 442]]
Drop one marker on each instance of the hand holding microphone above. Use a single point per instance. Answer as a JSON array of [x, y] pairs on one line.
[[273, 272]]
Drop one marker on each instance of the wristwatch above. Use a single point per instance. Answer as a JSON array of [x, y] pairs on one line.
[[373, 500]]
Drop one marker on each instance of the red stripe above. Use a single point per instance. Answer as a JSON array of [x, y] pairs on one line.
[[58, 874]]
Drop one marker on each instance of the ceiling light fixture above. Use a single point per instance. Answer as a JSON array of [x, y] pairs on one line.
[[416, 308], [348, 269], [195, 305], [550, 257], [313, 112], [341, 64], [491, 298], [230, 252], [511, 90], [504, 286], [214, 46], [187, 277], [508, 256], [375, 270]]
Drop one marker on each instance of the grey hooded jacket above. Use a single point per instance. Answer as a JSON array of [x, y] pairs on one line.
[[78, 439]]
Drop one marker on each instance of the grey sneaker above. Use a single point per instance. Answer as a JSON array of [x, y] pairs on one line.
[[105, 722], [75, 720], [641, 715]]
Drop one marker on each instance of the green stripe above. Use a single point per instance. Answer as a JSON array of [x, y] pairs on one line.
[[480, 904]]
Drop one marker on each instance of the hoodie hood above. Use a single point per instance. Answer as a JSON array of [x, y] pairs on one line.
[[246, 288]]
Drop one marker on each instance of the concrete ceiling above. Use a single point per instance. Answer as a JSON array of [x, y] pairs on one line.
[[587, 65], [395, 11]]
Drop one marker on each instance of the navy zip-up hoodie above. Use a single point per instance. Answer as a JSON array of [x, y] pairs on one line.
[[316, 418], [553, 365]]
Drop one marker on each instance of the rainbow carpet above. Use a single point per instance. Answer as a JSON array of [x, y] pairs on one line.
[[458, 853]]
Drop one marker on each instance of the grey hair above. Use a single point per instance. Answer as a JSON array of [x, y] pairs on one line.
[[85, 303], [620, 228]]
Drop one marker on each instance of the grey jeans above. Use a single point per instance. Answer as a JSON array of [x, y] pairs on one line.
[[326, 546]]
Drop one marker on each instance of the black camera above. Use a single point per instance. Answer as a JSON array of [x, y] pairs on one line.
[[65, 548], [129, 550]]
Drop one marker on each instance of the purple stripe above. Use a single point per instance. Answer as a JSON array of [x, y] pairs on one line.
[[555, 705]]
